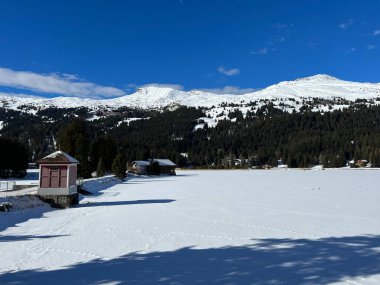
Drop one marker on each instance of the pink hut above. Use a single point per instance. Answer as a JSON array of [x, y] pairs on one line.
[[58, 177]]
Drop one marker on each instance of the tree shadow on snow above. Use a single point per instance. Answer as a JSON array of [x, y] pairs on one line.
[[121, 203], [15, 217], [265, 261], [13, 238]]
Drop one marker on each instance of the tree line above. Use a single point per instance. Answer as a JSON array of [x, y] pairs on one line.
[[13, 158], [260, 137]]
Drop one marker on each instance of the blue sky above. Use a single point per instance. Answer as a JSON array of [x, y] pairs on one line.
[[108, 48]]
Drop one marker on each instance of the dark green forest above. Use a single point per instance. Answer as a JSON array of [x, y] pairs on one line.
[[14, 158], [261, 138]]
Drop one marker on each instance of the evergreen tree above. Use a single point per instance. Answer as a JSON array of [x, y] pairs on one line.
[[154, 168], [119, 166], [74, 139], [100, 169], [105, 148], [14, 158]]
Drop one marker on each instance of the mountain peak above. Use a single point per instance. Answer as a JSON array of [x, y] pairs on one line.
[[319, 77]]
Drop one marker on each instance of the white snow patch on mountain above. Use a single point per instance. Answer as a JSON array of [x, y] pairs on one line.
[[318, 86]]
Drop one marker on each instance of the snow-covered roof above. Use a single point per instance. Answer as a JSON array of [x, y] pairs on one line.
[[58, 157], [165, 162], [161, 162], [141, 162]]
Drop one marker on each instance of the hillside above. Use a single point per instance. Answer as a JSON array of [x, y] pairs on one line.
[[309, 121]]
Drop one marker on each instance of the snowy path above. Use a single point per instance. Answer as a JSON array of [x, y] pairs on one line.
[[205, 227]]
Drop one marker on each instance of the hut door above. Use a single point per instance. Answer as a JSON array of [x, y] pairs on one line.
[[54, 177], [58, 177]]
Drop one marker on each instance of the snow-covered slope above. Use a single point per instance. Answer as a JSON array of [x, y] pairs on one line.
[[318, 86]]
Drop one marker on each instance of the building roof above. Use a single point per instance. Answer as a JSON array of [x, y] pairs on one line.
[[161, 162], [165, 162], [141, 162], [58, 157]]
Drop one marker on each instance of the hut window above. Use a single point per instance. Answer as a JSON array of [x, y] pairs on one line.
[[54, 167]]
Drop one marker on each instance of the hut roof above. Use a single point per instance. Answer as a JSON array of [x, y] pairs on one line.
[[141, 162], [165, 162], [161, 162], [58, 157]]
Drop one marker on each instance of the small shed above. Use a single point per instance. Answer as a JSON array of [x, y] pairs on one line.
[[57, 181]]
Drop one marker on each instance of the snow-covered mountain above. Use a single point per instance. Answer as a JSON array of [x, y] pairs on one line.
[[318, 86]]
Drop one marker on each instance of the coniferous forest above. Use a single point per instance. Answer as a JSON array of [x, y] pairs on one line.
[[261, 138]]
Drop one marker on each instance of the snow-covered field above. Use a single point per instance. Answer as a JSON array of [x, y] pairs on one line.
[[203, 227]]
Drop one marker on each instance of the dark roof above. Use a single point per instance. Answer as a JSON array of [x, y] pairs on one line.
[[58, 157], [165, 162], [161, 162]]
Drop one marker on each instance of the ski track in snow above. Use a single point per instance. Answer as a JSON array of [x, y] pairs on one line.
[[196, 209]]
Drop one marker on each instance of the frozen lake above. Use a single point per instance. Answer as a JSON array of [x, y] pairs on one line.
[[204, 227]]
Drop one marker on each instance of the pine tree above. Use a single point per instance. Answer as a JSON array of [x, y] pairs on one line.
[[154, 168], [104, 147], [100, 169], [119, 166], [74, 139]]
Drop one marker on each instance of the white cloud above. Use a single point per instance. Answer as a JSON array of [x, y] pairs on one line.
[[352, 49], [280, 26], [261, 51], [346, 25], [163, 85], [228, 72], [276, 39], [376, 32], [371, 46], [57, 84], [229, 90], [312, 44]]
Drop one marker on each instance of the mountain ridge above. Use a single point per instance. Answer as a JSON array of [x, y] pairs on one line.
[[317, 86]]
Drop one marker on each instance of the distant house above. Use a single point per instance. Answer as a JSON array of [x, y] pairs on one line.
[[362, 163], [358, 163], [141, 167]]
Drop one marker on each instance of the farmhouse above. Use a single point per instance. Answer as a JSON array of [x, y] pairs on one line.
[[57, 181], [141, 167]]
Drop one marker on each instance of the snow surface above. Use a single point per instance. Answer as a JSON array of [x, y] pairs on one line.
[[203, 227], [318, 86]]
